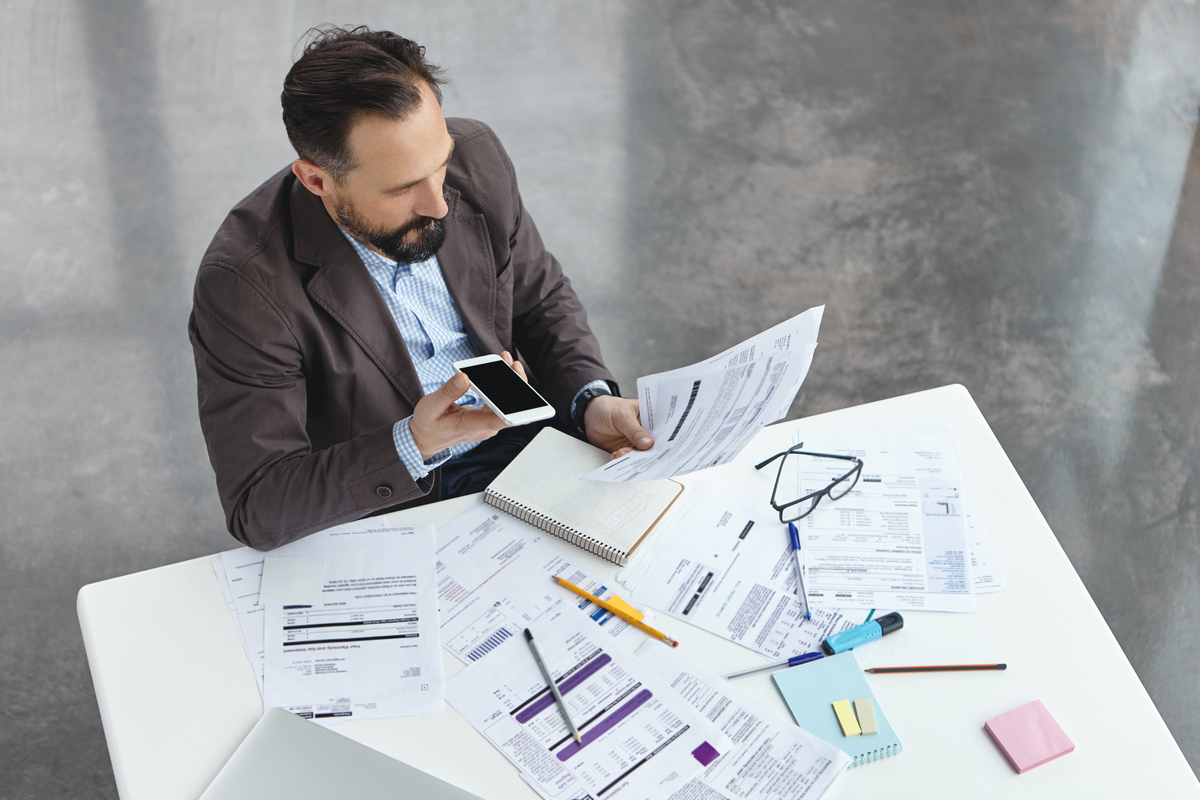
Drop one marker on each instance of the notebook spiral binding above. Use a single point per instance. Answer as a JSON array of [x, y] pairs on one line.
[[876, 755], [545, 523]]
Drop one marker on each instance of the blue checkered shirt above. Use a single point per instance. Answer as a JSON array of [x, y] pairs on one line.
[[424, 311]]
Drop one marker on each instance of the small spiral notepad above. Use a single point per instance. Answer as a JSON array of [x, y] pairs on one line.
[[811, 690], [544, 487]]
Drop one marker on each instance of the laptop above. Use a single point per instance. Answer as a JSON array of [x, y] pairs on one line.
[[288, 757]]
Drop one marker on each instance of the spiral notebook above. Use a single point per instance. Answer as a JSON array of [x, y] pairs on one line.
[[544, 487], [811, 690]]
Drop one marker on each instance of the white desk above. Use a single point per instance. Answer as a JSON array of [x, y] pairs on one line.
[[177, 694]]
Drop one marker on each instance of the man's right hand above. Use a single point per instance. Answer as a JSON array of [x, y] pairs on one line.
[[438, 422]]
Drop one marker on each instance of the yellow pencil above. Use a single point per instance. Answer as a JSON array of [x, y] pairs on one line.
[[635, 622]]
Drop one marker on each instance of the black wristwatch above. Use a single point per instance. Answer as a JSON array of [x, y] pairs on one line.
[[581, 403]]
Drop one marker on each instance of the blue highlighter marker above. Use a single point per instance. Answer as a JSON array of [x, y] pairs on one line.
[[867, 632]]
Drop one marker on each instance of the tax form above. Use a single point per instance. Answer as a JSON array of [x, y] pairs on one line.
[[703, 415], [641, 741], [899, 539], [768, 758], [494, 577], [725, 564]]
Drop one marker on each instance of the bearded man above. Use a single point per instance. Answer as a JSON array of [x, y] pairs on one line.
[[333, 301]]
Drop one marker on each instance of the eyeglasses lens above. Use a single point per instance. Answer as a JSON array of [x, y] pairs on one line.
[[843, 486]]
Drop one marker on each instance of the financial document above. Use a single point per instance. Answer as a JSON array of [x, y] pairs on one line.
[[769, 758], [899, 539], [641, 741], [724, 563], [494, 578], [369, 648], [703, 415]]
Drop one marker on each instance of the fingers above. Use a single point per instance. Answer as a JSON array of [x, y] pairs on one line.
[[451, 390], [516, 365], [437, 422], [628, 423]]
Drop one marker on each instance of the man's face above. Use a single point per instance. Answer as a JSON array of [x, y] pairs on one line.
[[392, 200]]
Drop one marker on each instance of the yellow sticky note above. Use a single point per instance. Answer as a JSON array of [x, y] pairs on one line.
[[846, 718], [621, 604], [865, 710]]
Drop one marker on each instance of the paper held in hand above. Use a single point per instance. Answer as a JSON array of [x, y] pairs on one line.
[[703, 415]]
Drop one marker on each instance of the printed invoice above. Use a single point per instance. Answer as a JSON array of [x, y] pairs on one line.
[[703, 415], [724, 564], [769, 759], [370, 648], [494, 578], [640, 740], [899, 539]]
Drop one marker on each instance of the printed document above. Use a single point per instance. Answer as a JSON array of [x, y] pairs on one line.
[[769, 758], [241, 572], [641, 741], [899, 539], [703, 415], [370, 648], [494, 578], [724, 563]]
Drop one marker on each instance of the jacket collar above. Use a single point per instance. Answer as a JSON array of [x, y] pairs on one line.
[[343, 287]]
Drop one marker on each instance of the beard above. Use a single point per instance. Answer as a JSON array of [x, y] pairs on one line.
[[431, 234]]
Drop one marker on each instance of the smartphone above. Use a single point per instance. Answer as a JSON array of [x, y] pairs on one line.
[[504, 391]]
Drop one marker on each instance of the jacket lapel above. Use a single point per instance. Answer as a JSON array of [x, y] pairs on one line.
[[346, 291], [470, 274]]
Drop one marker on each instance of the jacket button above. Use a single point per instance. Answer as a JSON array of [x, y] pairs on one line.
[[384, 491]]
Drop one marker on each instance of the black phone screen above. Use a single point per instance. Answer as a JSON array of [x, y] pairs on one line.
[[503, 387]]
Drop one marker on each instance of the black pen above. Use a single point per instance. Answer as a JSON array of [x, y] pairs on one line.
[[562, 706]]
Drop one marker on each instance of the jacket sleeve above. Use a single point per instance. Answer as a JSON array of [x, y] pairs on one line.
[[253, 406]]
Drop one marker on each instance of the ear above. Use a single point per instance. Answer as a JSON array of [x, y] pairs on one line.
[[315, 179]]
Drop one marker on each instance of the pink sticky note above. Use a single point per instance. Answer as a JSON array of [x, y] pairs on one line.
[[1029, 736]]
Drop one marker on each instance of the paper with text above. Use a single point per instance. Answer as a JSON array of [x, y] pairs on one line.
[[641, 741], [770, 758], [494, 578], [899, 539], [703, 415], [370, 648], [724, 563]]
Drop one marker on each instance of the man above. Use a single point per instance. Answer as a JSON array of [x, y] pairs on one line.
[[334, 299]]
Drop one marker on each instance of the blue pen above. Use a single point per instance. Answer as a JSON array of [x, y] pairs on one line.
[[794, 661], [803, 595]]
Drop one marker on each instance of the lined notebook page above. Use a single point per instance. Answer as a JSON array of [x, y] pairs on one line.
[[546, 479]]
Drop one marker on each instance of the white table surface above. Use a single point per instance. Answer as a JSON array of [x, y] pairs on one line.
[[177, 694]]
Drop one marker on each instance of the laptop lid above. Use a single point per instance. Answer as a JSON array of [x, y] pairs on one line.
[[288, 757]]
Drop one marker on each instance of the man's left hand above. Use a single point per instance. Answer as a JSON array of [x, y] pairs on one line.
[[613, 423]]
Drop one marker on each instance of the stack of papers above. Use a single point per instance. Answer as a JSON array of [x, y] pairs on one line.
[[342, 624], [907, 537]]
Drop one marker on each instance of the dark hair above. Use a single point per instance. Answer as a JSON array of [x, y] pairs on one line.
[[343, 75]]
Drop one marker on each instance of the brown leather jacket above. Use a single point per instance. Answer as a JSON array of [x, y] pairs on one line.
[[302, 372]]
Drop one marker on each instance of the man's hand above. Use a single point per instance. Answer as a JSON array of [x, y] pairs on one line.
[[438, 422], [613, 424]]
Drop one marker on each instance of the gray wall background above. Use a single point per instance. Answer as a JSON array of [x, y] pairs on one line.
[[1003, 195]]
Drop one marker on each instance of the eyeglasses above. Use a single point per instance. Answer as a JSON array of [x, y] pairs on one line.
[[789, 477]]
